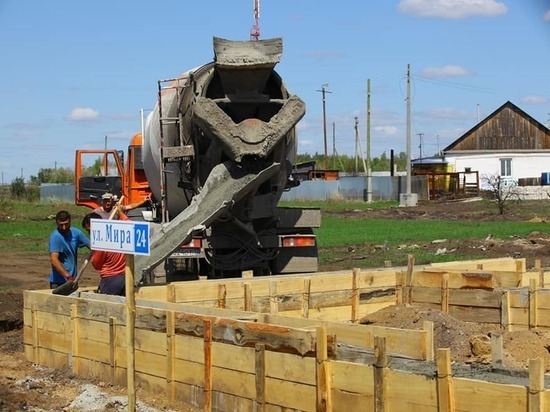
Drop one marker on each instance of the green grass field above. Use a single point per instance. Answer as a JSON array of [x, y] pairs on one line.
[[26, 227]]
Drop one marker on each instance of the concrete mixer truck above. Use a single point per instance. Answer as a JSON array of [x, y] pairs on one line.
[[215, 156]]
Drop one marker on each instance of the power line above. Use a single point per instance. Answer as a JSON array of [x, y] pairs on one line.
[[455, 85]]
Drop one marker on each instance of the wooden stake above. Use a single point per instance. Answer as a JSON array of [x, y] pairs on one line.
[[112, 348], [505, 320], [496, 350], [273, 298], [170, 354], [428, 327], [247, 297], [532, 304], [380, 364], [75, 339], [260, 376], [445, 392], [305, 297], [445, 293], [34, 316], [408, 284], [536, 385], [207, 325], [130, 330], [324, 398], [222, 294], [354, 295]]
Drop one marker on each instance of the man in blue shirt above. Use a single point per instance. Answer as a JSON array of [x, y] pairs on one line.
[[64, 244]]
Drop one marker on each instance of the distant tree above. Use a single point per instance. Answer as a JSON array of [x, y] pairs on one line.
[[346, 163], [501, 190], [18, 190], [50, 175]]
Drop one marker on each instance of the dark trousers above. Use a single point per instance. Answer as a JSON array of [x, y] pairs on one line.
[[112, 285]]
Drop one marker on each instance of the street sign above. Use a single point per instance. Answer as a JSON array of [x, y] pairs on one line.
[[124, 236]]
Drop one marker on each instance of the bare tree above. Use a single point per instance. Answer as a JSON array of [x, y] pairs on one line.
[[500, 189]]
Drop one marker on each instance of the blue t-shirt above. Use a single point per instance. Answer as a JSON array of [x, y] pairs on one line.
[[67, 247]]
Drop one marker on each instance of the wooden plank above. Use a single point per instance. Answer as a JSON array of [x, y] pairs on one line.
[[190, 373], [477, 395], [406, 343], [234, 382], [410, 392], [187, 348], [352, 377], [290, 395], [247, 334], [290, 368], [234, 357], [476, 314]]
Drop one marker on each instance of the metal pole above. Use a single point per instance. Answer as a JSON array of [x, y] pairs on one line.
[[324, 91], [408, 129], [369, 175]]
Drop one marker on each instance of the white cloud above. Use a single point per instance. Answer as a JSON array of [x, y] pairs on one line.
[[452, 9], [547, 15], [534, 99], [445, 113], [445, 71], [83, 114], [386, 130]]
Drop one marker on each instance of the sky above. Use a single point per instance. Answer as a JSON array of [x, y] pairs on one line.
[[78, 74]]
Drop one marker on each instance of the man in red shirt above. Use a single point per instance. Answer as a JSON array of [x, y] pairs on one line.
[[111, 265]]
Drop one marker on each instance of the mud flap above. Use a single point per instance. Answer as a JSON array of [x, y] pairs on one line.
[[226, 184]]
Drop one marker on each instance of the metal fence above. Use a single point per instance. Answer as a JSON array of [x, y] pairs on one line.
[[345, 188], [57, 191], [355, 188]]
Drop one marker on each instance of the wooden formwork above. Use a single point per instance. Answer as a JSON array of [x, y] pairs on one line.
[[289, 342]]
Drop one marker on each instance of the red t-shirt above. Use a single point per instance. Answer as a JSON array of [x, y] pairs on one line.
[[109, 263]]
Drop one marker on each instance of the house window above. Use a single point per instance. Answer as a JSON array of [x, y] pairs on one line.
[[505, 167]]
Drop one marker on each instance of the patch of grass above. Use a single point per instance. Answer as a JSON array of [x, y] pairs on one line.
[[342, 205], [26, 226], [337, 232]]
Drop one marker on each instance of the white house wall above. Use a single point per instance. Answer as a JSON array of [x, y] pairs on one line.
[[524, 165]]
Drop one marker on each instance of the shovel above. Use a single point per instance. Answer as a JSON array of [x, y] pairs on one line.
[[72, 286]]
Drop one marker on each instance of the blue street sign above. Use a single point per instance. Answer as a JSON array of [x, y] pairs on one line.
[[124, 236]]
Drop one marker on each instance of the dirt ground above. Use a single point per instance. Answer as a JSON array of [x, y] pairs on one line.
[[24, 386]]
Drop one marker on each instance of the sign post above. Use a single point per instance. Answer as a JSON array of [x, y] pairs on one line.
[[131, 238]]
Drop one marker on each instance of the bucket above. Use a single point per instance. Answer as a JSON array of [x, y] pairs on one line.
[[545, 178]]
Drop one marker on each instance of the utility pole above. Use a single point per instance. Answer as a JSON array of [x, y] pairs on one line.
[[324, 91], [420, 135], [408, 198], [333, 145], [408, 129], [356, 145], [369, 176]]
